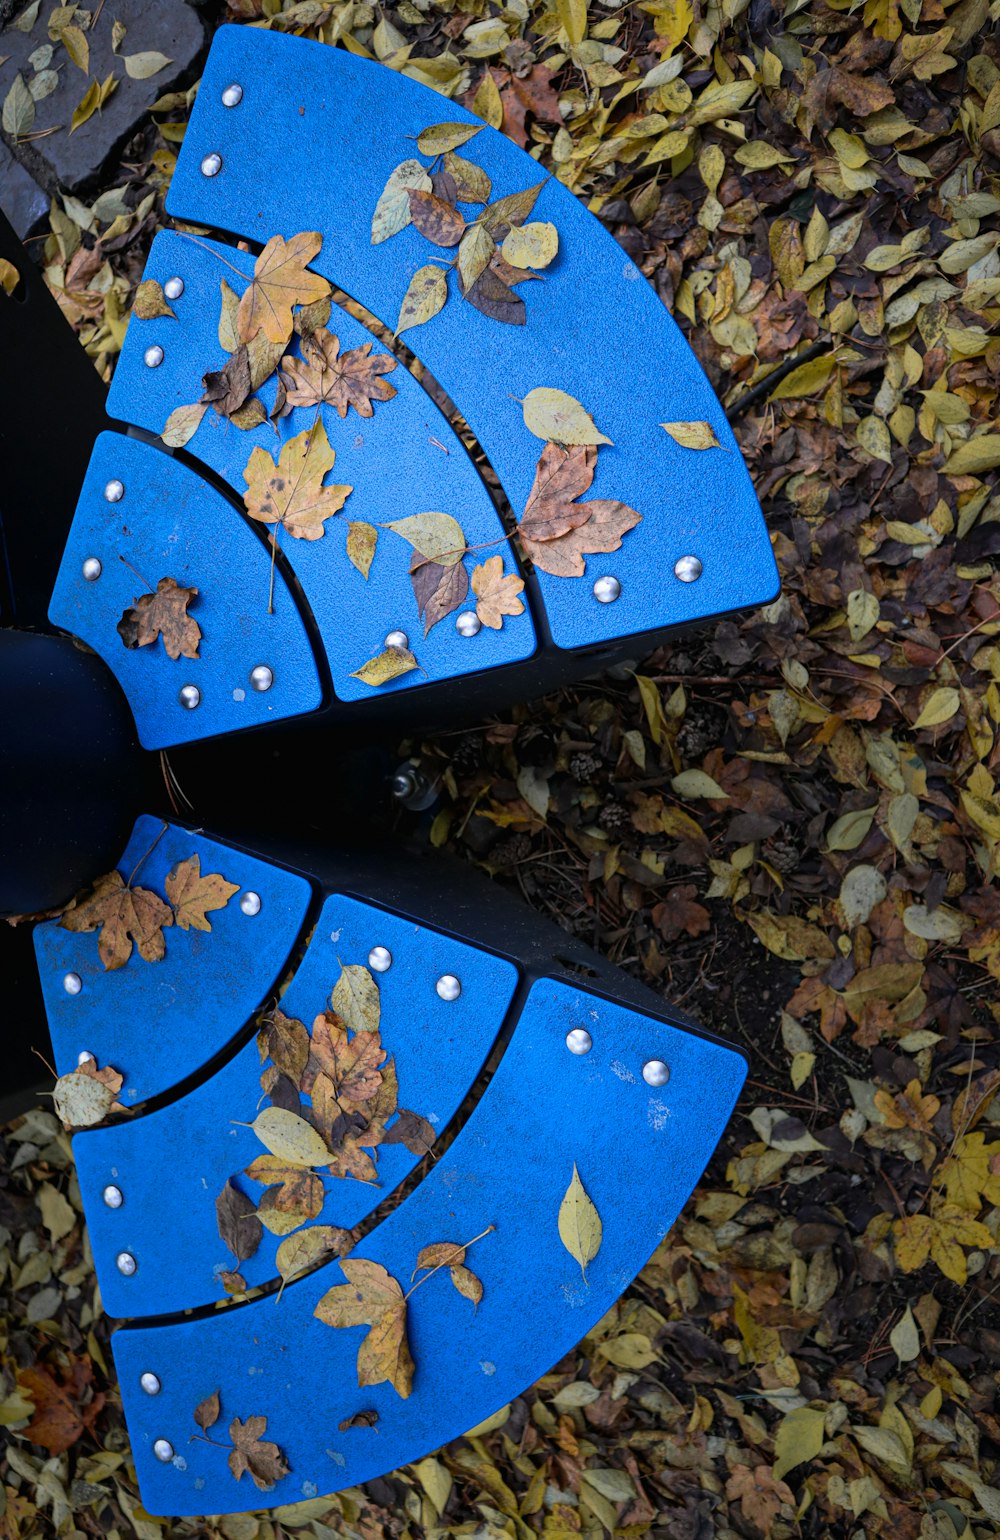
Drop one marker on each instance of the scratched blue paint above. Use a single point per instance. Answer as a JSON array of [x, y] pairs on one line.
[[639, 1152], [403, 460], [310, 147], [159, 1022], [171, 523], [172, 1165]]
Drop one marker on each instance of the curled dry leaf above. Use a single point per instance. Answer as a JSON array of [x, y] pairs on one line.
[[9, 277], [320, 375], [362, 539], [285, 1041], [280, 282], [163, 613], [372, 1297], [125, 915], [425, 296], [580, 1228], [228, 388], [192, 895], [692, 435], [559, 418], [206, 1413], [254, 1455], [150, 301], [292, 493], [364, 1419], [496, 592], [392, 212]]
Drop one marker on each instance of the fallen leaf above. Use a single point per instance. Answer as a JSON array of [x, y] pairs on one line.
[[182, 424], [580, 1228], [76, 45], [292, 493], [366, 1419], [496, 592], [904, 1339], [440, 222], [392, 212], [85, 108], [252, 1453], [18, 115], [125, 915], [60, 1416], [437, 536], [142, 66], [228, 388], [555, 416], [206, 1413], [362, 539], [280, 282], [298, 1253], [558, 532], [438, 589], [150, 301], [499, 217], [442, 137], [532, 245], [9, 277], [387, 666], [289, 1137], [425, 296], [192, 895], [163, 613], [239, 1227], [800, 1436], [81, 1101], [320, 375], [371, 1297], [472, 185], [692, 435]]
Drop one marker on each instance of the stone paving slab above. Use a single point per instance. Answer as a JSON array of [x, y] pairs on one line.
[[71, 161], [22, 200]]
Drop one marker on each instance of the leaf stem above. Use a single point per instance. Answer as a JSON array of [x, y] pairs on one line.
[[138, 574], [459, 1250], [144, 858]]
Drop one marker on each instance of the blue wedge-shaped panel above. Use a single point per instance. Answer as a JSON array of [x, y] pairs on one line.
[[158, 1022], [172, 1165], [639, 1152], [310, 146], [142, 517], [403, 460]]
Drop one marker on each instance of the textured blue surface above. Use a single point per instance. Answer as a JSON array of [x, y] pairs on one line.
[[170, 523], [404, 460], [639, 1152], [158, 1022], [172, 1165], [310, 148]]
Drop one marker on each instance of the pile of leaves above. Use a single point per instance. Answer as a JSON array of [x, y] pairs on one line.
[[787, 823]]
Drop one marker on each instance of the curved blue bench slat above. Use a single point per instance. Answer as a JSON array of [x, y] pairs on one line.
[[172, 1165], [639, 1152], [159, 1022], [170, 523], [338, 125], [405, 459]]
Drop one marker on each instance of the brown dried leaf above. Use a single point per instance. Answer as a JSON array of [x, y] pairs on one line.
[[236, 1216], [125, 915], [251, 1452], [320, 375], [60, 1416], [192, 895], [163, 613], [206, 1413], [150, 301], [280, 282], [496, 592], [371, 1297], [437, 589], [435, 219]]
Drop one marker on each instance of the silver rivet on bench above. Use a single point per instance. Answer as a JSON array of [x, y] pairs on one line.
[[688, 569], [125, 1263], [189, 696], [380, 959], [579, 1040], [85, 1057], [448, 987], [153, 356], [72, 983], [607, 589], [114, 491], [92, 569], [174, 288], [150, 1383], [261, 677], [397, 639], [655, 1072], [163, 1450], [468, 623], [113, 1196], [232, 95], [212, 164], [250, 902]]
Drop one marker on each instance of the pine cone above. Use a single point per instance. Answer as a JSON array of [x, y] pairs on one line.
[[614, 818], [585, 765]]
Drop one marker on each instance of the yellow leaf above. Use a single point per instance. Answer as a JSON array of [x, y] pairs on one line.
[[799, 1437], [789, 937], [293, 1139], [904, 1338], [692, 435], [573, 20], [974, 456], [427, 292], [697, 783], [806, 379], [559, 418], [389, 665], [580, 1228], [940, 706], [361, 542]]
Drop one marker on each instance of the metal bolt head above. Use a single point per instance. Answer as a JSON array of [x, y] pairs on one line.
[[150, 1383], [250, 902], [189, 696], [380, 959], [212, 164], [397, 639], [174, 287], [579, 1041], [448, 987], [163, 1450], [114, 491], [688, 569], [232, 95], [404, 783], [125, 1263], [85, 1057], [92, 569], [153, 356], [607, 589], [261, 678], [72, 983], [113, 1196], [468, 623], [655, 1072]]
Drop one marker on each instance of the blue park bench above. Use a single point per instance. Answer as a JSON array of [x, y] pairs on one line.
[[358, 1074]]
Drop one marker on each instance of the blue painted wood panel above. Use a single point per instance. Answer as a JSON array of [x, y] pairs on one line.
[[404, 460], [169, 522], [172, 1165], [639, 1152], [159, 1022], [310, 146]]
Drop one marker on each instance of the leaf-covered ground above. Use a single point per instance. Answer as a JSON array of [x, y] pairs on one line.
[[788, 824]]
